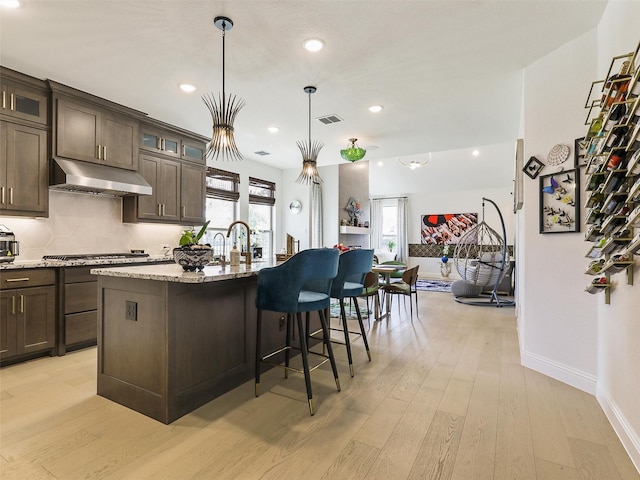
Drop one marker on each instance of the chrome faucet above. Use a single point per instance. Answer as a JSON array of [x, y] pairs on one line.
[[248, 252], [221, 258]]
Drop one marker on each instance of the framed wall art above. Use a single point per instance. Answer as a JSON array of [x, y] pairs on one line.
[[533, 167], [580, 147], [560, 202]]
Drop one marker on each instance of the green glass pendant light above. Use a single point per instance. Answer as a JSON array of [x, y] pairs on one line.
[[353, 152]]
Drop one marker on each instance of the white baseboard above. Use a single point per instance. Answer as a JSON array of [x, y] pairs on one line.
[[628, 437], [571, 376]]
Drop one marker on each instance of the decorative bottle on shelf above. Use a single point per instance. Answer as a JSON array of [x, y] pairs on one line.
[[234, 256], [616, 85]]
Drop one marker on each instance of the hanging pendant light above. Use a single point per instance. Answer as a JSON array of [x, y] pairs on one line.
[[223, 111], [309, 150], [353, 152]]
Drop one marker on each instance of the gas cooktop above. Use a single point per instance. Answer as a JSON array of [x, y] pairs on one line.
[[94, 256]]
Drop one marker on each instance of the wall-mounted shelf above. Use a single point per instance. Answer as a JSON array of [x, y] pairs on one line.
[[613, 179], [349, 230]]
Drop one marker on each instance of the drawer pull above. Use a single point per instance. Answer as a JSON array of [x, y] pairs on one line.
[[23, 279]]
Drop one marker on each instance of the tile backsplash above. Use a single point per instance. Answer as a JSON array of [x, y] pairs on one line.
[[80, 223]]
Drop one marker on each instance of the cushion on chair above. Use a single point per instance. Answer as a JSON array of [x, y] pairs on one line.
[[460, 288]]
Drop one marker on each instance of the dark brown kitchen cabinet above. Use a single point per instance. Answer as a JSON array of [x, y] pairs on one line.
[[86, 132], [193, 194], [28, 309], [178, 193], [164, 203], [23, 98], [24, 182], [160, 141]]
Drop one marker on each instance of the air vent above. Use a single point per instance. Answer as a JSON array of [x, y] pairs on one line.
[[262, 153], [329, 119]]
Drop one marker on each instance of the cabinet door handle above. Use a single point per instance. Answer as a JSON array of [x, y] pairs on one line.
[[184, 150], [21, 303], [21, 279], [4, 99], [13, 305], [162, 143], [163, 210], [2, 200], [158, 143], [104, 152], [10, 195], [184, 211], [13, 103], [99, 152], [159, 209]]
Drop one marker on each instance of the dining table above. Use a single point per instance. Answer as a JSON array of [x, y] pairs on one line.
[[386, 270]]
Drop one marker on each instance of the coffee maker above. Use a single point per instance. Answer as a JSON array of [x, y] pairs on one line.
[[9, 247]]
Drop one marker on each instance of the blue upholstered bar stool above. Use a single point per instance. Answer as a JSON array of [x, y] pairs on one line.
[[349, 283], [301, 284]]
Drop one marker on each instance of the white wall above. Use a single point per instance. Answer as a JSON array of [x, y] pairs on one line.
[[618, 323], [565, 332]]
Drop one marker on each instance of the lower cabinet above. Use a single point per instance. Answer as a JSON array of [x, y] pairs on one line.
[[27, 313], [78, 300]]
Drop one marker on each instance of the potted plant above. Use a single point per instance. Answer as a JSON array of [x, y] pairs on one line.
[[391, 245], [445, 254], [192, 255]]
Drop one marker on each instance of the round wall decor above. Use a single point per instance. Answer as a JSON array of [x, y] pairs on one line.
[[558, 154], [295, 206]]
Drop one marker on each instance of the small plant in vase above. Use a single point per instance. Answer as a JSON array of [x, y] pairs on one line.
[[191, 255], [391, 245], [445, 254]]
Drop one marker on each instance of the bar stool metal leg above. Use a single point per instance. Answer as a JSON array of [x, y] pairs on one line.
[[343, 316], [364, 334], [305, 362], [327, 345]]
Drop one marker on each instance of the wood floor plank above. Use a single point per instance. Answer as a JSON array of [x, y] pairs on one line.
[[547, 431], [514, 447], [477, 450], [444, 397], [438, 451]]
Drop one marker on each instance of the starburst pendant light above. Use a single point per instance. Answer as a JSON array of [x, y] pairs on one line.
[[309, 150], [223, 111], [353, 152]]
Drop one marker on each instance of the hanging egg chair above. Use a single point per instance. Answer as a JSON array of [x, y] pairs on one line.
[[481, 259]]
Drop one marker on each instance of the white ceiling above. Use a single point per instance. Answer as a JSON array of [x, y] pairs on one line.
[[448, 72]]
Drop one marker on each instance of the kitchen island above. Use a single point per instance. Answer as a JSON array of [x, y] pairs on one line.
[[169, 341]]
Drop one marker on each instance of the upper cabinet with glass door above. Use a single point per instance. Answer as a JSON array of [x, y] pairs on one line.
[[20, 100], [165, 139]]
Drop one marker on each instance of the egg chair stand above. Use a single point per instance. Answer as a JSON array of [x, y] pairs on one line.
[[481, 259]]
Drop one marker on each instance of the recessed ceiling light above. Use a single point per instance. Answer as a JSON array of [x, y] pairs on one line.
[[9, 3], [380, 163], [273, 129], [187, 87], [475, 153], [313, 44], [375, 108]]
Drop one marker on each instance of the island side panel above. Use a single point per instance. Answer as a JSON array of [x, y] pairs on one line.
[[209, 341], [132, 349]]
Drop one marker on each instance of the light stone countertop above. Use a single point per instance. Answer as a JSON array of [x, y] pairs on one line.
[[20, 264], [175, 273]]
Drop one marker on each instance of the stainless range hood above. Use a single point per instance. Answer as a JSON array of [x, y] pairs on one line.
[[84, 177]]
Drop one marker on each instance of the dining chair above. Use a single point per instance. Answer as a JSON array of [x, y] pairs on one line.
[[301, 284], [406, 286], [371, 288]]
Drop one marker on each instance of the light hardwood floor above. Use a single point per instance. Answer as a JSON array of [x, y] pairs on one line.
[[445, 397]]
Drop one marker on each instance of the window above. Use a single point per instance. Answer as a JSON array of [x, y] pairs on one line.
[[390, 225], [221, 206], [261, 202]]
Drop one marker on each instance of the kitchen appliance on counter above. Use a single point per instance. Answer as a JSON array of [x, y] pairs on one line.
[[9, 247]]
